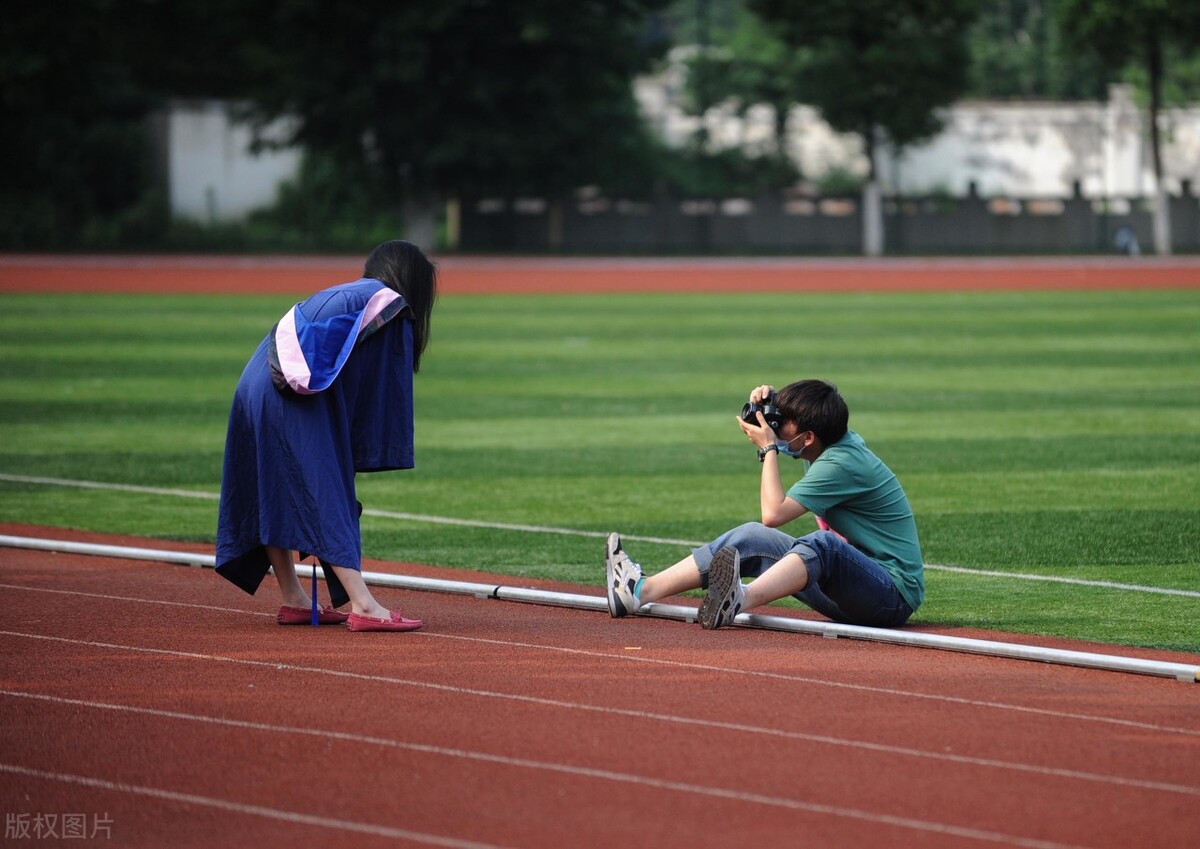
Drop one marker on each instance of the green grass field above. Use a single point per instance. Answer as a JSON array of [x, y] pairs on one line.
[[1052, 434]]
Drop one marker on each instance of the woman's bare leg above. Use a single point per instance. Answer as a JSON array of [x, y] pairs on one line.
[[361, 600], [285, 573], [294, 595]]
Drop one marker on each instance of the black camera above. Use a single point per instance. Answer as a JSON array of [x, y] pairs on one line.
[[768, 409]]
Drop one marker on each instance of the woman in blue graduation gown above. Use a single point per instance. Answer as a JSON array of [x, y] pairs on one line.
[[327, 394]]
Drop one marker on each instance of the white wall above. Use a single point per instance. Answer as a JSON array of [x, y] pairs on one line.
[[211, 173], [1004, 148], [1031, 149], [1015, 149]]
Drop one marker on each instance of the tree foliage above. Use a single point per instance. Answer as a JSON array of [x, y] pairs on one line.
[[1152, 42], [73, 146], [472, 97], [457, 96], [1141, 32], [1018, 52], [425, 96], [878, 64], [748, 65]]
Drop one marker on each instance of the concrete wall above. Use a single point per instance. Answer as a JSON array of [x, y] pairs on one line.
[[211, 173], [1004, 148], [1025, 150]]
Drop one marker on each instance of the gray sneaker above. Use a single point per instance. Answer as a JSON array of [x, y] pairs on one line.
[[620, 577], [723, 601]]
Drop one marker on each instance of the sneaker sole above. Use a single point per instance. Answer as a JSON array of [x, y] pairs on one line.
[[615, 608], [722, 573]]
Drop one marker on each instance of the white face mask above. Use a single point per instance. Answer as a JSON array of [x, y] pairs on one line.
[[785, 446]]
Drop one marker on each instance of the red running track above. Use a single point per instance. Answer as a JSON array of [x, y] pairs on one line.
[[524, 275], [165, 707]]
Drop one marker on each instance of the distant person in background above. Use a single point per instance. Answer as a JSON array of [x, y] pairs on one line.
[[863, 566], [1126, 241], [327, 394]]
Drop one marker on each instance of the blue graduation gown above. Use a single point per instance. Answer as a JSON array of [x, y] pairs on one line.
[[328, 393]]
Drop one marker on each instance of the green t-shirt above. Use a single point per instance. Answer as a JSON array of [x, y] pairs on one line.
[[860, 498]]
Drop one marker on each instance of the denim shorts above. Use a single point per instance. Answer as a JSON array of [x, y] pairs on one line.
[[843, 583]]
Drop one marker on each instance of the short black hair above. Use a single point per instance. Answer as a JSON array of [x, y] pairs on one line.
[[817, 406]]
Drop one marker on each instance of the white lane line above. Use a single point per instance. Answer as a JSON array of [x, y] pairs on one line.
[[107, 597], [681, 664], [115, 487], [828, 682], [550, 529], [242, 808], [1058, 579], [822, 739], [585, 772], [693, 666]]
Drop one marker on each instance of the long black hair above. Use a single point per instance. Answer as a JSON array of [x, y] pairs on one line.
[[401, 266]]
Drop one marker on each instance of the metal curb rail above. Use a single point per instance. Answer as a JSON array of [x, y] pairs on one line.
[[830, 630]]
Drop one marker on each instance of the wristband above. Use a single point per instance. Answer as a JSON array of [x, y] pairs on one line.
[[765, 450]]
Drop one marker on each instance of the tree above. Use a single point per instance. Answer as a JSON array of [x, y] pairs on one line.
[[73, 145], [442, 98], [76, 89], [878, 68], [1140, 31], [750, 66], [1017, 53]]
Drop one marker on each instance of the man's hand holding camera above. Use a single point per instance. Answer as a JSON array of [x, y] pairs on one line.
[[760, 418], [765, 426]]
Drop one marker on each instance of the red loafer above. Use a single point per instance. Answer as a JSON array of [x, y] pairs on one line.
[[303, 616], [395, 623]]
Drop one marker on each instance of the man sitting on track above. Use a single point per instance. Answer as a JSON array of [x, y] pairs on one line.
[[862, 567]]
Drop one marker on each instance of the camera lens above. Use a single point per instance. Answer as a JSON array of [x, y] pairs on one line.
[[768, 409]]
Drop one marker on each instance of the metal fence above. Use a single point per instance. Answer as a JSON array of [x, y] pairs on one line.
[[783, 223]]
